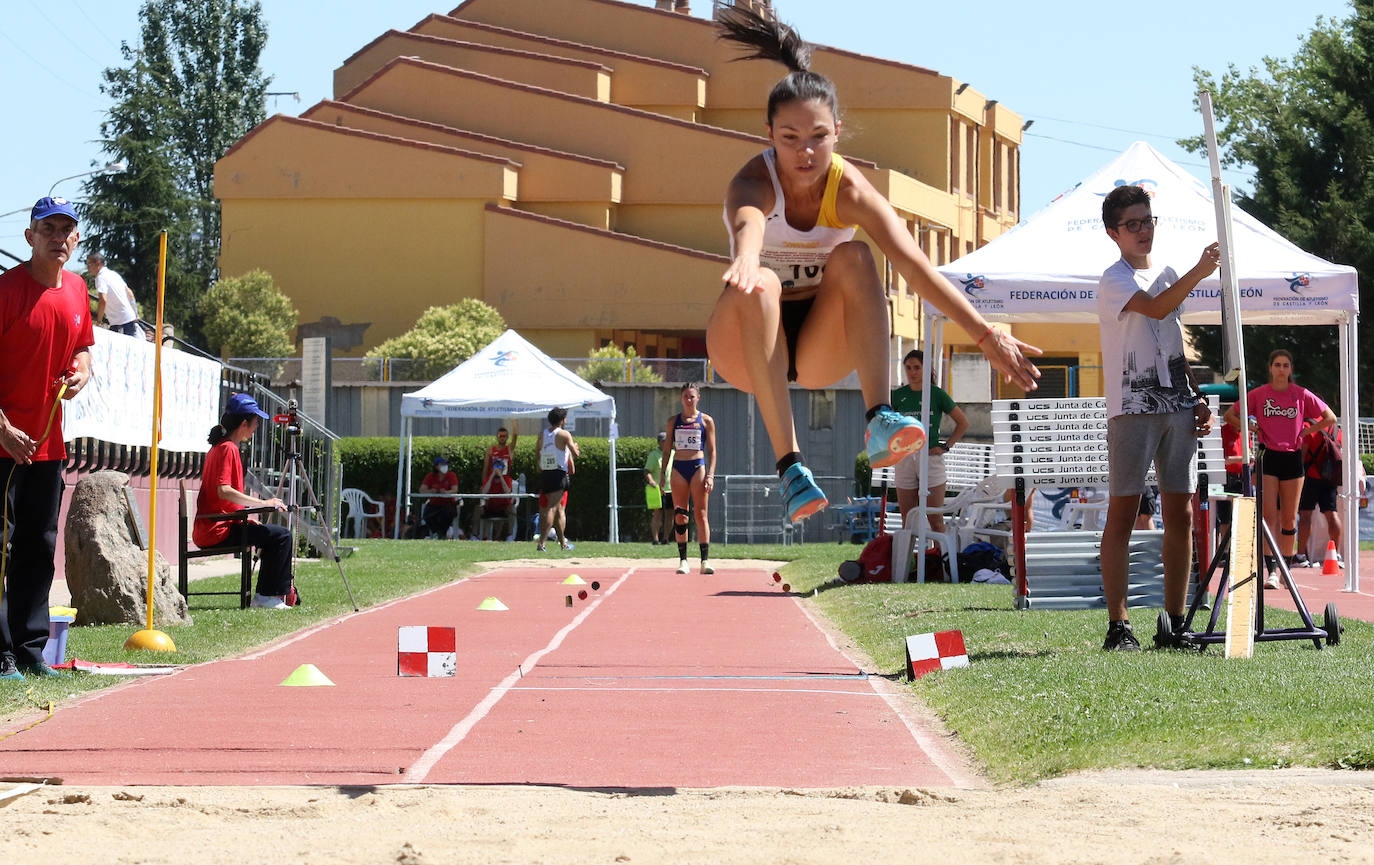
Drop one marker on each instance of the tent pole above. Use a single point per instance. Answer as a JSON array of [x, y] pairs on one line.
[[400, 473], [615, 494], [1350, 425], [410, 463], [931, 321]]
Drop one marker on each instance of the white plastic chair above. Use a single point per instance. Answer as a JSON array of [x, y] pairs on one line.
[[358, 514], [954, 511]]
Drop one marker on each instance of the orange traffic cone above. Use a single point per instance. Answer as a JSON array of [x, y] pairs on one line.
[[1330, 567]]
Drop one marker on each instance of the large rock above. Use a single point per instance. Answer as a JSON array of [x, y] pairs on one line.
[[107, 571]]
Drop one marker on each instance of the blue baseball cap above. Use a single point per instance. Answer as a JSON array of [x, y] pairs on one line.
[[48, 206], [441, 461], [242, 403]]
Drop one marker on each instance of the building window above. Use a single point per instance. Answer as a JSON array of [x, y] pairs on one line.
[[1013, 180], [998, 176], [955, 169], [970, 161]]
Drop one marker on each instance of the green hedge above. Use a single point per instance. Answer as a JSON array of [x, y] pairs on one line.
[[370, 465]]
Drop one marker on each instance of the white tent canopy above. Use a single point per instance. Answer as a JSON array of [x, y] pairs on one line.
[[507, 378], [1048, 267]]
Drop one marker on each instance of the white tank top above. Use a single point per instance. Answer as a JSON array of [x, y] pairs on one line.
[[550, 455], [798, 257]]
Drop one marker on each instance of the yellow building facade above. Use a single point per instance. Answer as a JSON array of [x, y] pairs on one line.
[[565, 161]]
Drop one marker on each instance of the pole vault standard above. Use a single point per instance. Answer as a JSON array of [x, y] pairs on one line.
[[1238, 555]]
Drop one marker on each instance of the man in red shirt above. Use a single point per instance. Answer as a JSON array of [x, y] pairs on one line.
[[498, 481], [505, 442], [45, 340], [439, 513]]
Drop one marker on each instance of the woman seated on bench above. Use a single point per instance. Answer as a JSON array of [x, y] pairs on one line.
[[221, 492]]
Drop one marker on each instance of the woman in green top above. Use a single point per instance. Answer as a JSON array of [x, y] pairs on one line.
[[907, 399]]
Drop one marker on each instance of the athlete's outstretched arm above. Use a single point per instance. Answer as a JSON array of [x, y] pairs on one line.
[[859, 203], [747, 200]]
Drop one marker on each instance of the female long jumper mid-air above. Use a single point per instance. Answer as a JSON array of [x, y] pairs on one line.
[[802, 299]]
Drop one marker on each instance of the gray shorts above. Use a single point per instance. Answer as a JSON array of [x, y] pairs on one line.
[[1136, 440]]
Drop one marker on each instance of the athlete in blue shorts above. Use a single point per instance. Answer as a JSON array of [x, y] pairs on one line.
[[691, 441]]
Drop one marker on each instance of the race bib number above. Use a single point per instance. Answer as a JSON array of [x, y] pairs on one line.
[[687, 439], [548, 459]]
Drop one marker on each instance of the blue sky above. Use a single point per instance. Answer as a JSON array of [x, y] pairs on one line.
[[1094, 76]]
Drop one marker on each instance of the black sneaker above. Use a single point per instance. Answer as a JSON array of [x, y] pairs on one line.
[[8, 670], [1120, 638], [1298, 560]]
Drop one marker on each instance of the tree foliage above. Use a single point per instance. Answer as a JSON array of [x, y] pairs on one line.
[[248, 316], [445, 336], [612, 363], [189, 90], [1304, 125]]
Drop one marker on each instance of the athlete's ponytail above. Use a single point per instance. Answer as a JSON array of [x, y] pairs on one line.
[[228, 422], [767, 38]]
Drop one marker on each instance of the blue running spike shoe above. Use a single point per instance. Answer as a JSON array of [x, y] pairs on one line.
[[800, 496], [892, 436]]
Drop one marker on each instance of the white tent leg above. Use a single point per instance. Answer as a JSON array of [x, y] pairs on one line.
[[1349, 500], [934, 335], [400, 473], [615, 494]]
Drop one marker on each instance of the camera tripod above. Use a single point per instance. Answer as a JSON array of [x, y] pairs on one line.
[[294, 469]]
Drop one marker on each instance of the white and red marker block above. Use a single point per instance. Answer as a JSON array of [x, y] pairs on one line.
[[942, 650], [427, 652]]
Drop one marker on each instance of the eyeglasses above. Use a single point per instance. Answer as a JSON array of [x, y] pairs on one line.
[[1135, 226]]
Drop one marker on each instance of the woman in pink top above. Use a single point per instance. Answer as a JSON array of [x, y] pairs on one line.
[[1281, 413]]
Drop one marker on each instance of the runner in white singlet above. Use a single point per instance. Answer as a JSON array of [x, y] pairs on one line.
[[792, 308]]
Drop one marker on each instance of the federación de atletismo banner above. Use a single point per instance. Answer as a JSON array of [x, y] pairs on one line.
[[117, 405]]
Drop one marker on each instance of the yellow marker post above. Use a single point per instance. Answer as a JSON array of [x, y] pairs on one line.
[[150, 639]]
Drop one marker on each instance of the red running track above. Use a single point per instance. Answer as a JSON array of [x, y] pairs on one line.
[[655, 681]]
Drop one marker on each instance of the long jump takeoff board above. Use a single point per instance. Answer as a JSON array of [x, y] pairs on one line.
[[1241, 599]]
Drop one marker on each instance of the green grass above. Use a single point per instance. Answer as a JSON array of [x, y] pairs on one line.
[[1040, 699]]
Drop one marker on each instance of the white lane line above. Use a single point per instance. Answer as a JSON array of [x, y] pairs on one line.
[[931, 746], [329, 623], [421, 768]]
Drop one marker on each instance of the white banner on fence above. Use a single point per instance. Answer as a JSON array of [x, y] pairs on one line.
[[117, 404]]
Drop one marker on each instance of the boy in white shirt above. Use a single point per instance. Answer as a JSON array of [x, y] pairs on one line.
[[1154, 408]]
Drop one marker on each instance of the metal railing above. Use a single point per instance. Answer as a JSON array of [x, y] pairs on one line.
[[640, 369], [1365, 438], [754, 513], [267, 461], [342, 370], [362, 370]]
